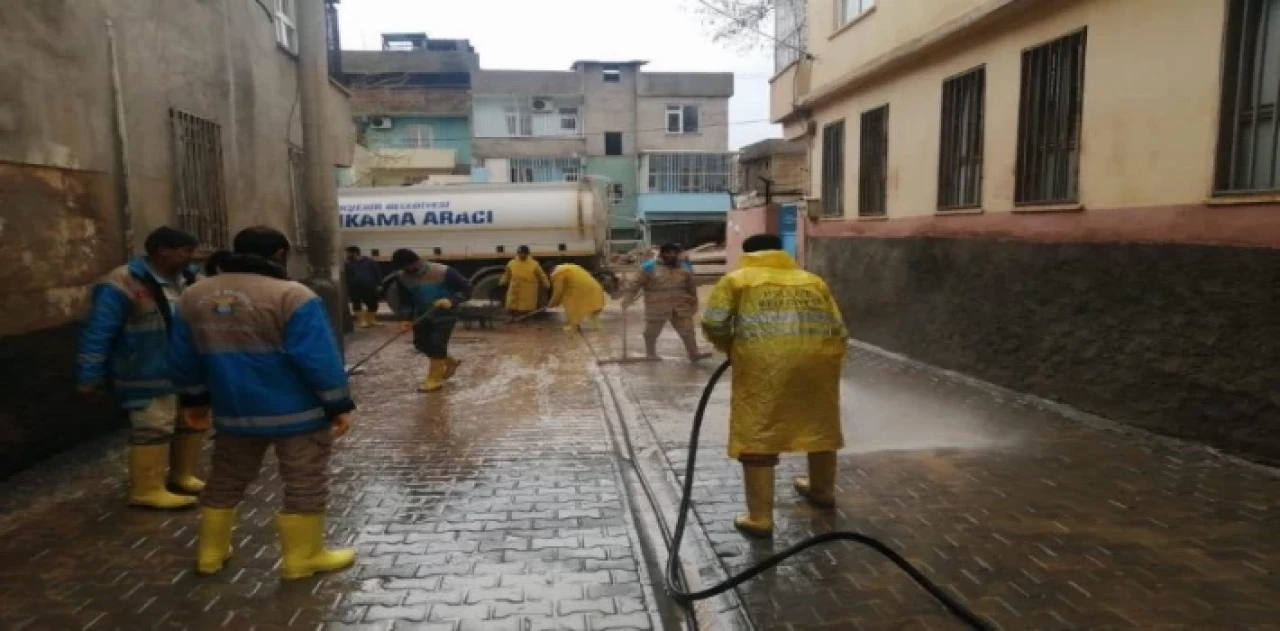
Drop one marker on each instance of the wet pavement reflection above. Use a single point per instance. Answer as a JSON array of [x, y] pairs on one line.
[[1035, 520], [490, 505]]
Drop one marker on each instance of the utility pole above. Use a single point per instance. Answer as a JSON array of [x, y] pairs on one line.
[[324, 275]]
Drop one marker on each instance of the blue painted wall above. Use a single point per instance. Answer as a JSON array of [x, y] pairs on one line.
[[447, 132], [693, 203]]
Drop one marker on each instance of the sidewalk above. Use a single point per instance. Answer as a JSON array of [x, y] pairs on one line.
[[491, 505], [1034, 520]]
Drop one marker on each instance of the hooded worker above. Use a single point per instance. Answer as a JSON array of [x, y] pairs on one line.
[[363, 275], [783, 332], [670, 295], [429, 294], [524, 279], [257, 353], [124, 347], [581, 295]]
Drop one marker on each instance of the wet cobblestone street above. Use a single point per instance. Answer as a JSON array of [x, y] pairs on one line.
[[491, 505], [506, 502], [1034, 520]]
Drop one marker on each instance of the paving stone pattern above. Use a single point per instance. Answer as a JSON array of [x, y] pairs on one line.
[[1035, 520], [492, 505]]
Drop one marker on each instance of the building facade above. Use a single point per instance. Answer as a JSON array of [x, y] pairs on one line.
[[659, 139], [772, 171], [412, 106], [1073, 198], [176, 114]]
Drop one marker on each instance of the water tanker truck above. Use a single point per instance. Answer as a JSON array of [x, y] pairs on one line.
[[476, 228]]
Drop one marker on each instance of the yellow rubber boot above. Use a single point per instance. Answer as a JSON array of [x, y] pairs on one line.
[[184, 461], [450, 367], [758, 522], [302, 547], [820, 487], [435, 376], [371, 318], [147, 467], [214, 547]]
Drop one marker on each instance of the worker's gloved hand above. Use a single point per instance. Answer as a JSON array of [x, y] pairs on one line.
[[197, 418], [341, 425], [443, 303]]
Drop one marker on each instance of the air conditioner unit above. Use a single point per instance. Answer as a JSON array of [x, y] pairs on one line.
[[380, 122], [542, 105]]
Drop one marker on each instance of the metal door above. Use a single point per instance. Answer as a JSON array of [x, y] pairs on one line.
[[788, 216]]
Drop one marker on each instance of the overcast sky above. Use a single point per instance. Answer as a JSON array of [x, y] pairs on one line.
[[552, 34]]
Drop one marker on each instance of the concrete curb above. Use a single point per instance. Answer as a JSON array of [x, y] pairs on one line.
[[1062, 409], [701, 566]]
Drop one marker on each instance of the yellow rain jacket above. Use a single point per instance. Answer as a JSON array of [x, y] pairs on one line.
[[523, 279], [575, 289], [783, 332]]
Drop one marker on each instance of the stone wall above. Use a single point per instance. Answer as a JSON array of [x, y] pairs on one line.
[[60, 177], [1183, 340]]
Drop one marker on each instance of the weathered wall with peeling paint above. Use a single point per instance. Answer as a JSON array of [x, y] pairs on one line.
[[59, 172]]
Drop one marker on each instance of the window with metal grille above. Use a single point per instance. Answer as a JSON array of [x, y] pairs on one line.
[[960, 149], [690, 172], [1248, 130], [298, 197], [545, 169], [833, 170], [200, 200], [873, 163], [1049, 114]]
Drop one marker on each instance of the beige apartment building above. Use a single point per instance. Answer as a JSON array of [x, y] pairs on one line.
[[1074, 198]]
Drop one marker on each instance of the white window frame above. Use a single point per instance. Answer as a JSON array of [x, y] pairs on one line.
[[850, 10], [286, 22], [679, 112], [616, 194], [422, 136], [569, 115]]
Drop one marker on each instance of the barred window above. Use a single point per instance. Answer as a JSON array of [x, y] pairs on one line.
[[1049, 116], [545, 169], [690, 172], [833, 169], [1249, 137], [873, 168], [960, 155], [200, 199]]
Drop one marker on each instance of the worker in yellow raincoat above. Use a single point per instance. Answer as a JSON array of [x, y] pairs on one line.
[[785, 337], [579, 293], [523, 279]]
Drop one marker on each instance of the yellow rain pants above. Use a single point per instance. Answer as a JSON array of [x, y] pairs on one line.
[[782, 330]]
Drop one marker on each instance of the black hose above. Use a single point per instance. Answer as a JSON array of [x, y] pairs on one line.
[[674, 580]]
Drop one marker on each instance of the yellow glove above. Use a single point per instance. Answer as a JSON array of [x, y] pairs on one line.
[[341, 425], [197, 418], [443, 303]]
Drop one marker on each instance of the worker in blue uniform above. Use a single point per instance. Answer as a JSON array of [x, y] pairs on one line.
[[123, 349], [428, 297], [256, 352]]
